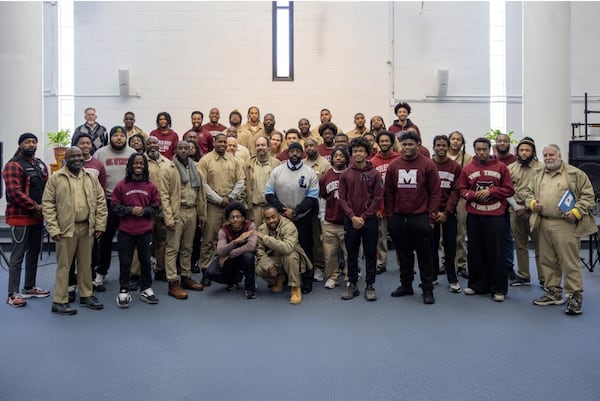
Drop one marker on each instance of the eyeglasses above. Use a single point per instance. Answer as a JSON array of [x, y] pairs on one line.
[[236, 217]]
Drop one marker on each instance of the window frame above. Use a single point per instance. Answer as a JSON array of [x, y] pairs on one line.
[[275, 18]]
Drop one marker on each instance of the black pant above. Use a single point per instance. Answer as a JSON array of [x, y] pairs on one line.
[[410, 233], [127, 244], [448, 232], [368, 234], [304, 226], [486, 254], [105, 251], [25, 240], [232, 268]]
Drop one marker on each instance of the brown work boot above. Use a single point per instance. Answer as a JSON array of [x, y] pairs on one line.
[[190, 284], [278, 285], [296, 297], [176, 291]]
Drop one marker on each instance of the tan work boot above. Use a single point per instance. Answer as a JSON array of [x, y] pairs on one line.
[[296, 297], [278, 286], [190, 284], [176, 291]]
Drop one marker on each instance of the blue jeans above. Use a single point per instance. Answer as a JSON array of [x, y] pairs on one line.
[[230, 272]]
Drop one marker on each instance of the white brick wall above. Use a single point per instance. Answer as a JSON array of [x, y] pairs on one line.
[[184, 56]]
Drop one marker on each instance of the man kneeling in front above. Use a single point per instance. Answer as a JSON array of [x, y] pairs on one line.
[[279, 254]]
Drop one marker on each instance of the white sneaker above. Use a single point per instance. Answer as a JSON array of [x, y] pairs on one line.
[[123, 300], [318, 276], [148, 296], [455, 287], [331, 283], [99, 280], [469, 291]]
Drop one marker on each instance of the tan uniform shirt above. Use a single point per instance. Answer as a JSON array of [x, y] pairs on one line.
[[80, 206], [320, 165], [553, 186], [521, 177], [156, 168], [355, 133], [248, 134], [221, 175], [257, 174]]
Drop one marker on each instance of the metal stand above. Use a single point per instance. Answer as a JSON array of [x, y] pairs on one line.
[[594, 252]]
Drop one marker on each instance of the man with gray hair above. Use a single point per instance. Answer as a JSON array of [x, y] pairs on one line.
[[561, 199]]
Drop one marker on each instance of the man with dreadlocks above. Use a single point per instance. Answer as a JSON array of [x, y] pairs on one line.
[[522, 171], [136, 201]]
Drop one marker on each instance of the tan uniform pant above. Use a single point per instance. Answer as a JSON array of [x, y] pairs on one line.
[[78, 248], [256, 214], [214, 220], [333, 240], [180, 242], [318, 252], [520, 229], [382, 244], [290, 265], [559, 255], [461, 231], [159, 239]]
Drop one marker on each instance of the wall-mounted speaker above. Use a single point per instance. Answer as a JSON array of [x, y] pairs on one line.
[[442, 82], [585, 155], [124, 83]]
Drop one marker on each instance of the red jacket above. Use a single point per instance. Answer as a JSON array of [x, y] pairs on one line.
[[360, 191], [167, 142]]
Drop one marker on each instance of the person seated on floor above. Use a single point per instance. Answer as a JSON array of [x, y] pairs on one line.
[[236, 246], [279, 254]]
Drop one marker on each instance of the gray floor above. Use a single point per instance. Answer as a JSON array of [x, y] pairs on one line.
[[219, 346]]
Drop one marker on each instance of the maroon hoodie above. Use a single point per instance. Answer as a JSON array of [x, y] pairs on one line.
[[360, 191]]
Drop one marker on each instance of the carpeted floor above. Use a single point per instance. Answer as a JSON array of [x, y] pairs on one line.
[[220, 346]]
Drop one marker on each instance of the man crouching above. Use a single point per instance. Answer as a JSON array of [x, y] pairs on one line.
[[279, 254]]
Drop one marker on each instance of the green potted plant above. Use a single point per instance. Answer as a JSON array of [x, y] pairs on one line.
[[59, 140], [493, 133]]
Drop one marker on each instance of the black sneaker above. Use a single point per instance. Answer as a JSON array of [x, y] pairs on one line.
[[160, 275], [205, 280], [232, 287], [380, 269], [370, 294], [351, 292], [462, 272], [518, 281], [511, 274], [91, 302], [196, 268], [72, 294], [428, 298], [307, 284], [250, 294], [574, 305], [63, 309], [402, 291], [148, 296]]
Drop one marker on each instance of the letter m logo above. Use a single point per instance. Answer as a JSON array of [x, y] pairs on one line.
[[407, 176]]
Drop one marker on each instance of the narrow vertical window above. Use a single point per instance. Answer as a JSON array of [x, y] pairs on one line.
[[283, 41], [498, 65]]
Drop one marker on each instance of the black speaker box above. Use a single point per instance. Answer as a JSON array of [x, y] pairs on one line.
[[585, 155]]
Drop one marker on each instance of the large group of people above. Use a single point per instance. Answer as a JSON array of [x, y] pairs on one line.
[[245, 201]]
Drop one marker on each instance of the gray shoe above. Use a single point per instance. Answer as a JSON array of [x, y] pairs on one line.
[[549, 298], [91, 302], [370, 294], [351, 292], [63, 309], [574, 305]]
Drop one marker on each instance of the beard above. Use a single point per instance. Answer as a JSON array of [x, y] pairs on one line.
[[553, 165], [74, 167], [154, 154], [525, 162], [503, 152], [117, 147]]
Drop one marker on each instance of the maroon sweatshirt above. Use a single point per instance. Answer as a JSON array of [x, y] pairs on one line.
[[449, 172], [360, 191], [492, 175], [126, 195], [166, 142], [412, 187], [329, 184]]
